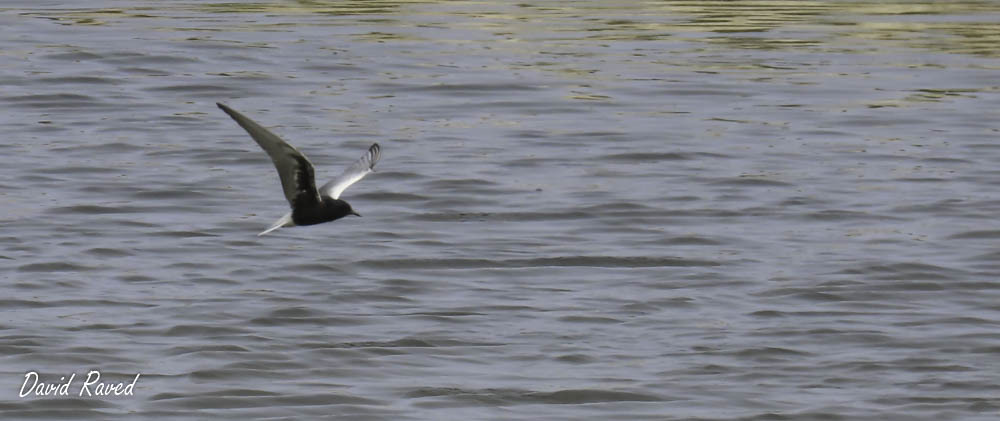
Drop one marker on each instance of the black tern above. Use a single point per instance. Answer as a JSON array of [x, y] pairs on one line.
[[310, 206]]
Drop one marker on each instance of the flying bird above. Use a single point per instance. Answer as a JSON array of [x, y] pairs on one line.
[[310, 206]]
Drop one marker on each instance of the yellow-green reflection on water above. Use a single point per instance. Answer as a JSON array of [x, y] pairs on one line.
[[307, 7], [964, 27]]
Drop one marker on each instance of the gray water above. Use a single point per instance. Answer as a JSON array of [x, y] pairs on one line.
[[584, 210]]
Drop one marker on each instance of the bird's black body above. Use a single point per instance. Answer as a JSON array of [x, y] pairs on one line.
[[329, 209]]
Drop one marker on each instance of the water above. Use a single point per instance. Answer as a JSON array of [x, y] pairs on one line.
[[584, 210]]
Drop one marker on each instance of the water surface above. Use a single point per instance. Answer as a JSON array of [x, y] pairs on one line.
[[585, 210]]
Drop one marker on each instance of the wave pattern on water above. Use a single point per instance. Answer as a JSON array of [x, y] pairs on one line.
[[586, 210]]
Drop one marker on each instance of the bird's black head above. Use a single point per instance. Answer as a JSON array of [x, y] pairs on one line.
[[351, 211], [339, 208]]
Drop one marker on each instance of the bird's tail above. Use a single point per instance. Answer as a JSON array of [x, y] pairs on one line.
[[285, 221]]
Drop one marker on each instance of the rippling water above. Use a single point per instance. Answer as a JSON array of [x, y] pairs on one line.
[[746, 210]]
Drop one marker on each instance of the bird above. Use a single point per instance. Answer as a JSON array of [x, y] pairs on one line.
[[310, 206]]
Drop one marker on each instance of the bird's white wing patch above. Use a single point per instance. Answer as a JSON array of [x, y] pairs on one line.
[[352, 174]]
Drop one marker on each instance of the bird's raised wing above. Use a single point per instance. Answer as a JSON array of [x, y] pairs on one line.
[[352, 174], [298, 178]]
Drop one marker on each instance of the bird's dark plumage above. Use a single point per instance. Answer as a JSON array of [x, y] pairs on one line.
[[310, 205]]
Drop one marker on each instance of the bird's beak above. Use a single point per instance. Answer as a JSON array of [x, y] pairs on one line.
[[355, 213]]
